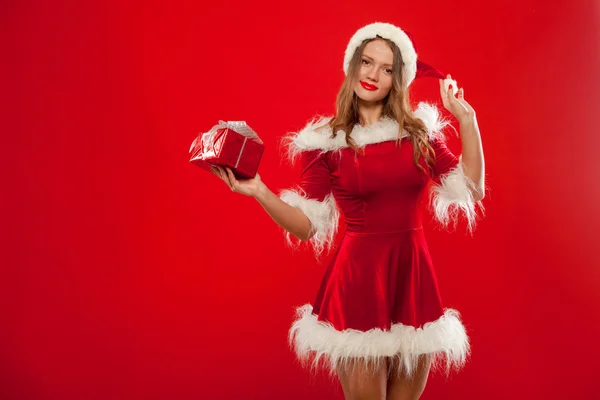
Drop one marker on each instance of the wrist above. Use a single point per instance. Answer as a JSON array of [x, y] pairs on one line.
[[261, 191], [468, 120]]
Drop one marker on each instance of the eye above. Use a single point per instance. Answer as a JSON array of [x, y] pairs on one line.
[[365, 61], [389, 71]]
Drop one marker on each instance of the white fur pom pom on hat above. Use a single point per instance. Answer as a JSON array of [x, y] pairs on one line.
[[386, 31], [450, 82]]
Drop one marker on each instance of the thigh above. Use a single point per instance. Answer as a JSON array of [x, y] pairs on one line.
[[404, 387], [364, 381]]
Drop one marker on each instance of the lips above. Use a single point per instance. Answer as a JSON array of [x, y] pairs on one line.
[[368, 86]]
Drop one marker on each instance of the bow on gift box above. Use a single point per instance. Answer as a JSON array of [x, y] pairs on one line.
[[210, 138]]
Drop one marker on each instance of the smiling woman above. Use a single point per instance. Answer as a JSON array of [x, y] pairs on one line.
[[377, 321]]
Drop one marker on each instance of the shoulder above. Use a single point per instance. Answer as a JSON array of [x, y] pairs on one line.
[[315, 135]]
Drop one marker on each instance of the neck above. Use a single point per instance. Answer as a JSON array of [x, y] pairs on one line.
[[369, 112]]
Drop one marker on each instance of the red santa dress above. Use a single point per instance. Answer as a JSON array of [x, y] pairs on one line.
[[379, 295]]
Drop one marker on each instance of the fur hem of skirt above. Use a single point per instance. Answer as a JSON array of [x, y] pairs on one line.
[[319, 345]]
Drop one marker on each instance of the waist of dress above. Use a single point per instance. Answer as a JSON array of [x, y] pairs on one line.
[[374, 233]]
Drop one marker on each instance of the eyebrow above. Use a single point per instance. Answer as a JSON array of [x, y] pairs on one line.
[[370, 58]]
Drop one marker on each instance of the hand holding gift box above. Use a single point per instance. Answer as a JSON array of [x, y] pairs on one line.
[[230, 144]]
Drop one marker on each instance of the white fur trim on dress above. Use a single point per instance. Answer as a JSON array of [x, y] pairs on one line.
[[316, 135], [445, 339], [387, 31], [323, 216], [454, 196], [433, 120]]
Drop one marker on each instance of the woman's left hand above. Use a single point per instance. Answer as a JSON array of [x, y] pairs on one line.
[[458, 106]]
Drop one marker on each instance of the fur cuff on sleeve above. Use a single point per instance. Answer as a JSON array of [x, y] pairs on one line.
[[454, 197], [323, 216]]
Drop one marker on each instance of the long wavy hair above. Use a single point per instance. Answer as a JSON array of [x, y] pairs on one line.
[[396, 105]]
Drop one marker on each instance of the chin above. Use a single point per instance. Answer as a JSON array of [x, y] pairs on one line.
[[369, 97], [366, 95]]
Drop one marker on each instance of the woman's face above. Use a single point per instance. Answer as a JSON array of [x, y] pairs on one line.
[[375, 72]]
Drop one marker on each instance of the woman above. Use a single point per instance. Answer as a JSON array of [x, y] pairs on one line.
[[377, 320]]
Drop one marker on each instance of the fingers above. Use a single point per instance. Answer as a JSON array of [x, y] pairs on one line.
[[452, 96], [448, 90], [214, 170], [233, 182], [227, 179], [443, 93], [452, 87], [220, 172], [461, 99], [451, 93], [227, 175]]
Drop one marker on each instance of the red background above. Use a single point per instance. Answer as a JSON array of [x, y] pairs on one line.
[[128, 273]]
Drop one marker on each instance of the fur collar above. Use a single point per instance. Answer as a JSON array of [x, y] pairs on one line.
[[386, 129]]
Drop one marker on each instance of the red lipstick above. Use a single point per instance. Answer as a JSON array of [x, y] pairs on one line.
[[368, 86]]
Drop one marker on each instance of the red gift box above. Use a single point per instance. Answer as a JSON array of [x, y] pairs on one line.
[[229, 144]]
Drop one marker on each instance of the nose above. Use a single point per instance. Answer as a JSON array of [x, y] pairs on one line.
[[373, 75]]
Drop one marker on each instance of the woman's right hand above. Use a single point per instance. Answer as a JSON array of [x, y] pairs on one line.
[[249, 187]]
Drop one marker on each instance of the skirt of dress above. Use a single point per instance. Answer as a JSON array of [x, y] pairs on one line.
[[378, 300]]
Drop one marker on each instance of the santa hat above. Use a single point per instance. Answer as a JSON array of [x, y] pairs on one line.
[[413, 68]]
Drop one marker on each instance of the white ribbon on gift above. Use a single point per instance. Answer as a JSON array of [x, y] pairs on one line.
[[208, 138]]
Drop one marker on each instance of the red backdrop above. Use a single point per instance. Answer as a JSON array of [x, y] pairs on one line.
[[128, 273]]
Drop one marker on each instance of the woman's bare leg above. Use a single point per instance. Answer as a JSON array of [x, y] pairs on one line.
[[402, 387], [363, 382]]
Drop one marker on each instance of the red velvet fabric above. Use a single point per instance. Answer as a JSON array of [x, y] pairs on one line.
[[382, 272]]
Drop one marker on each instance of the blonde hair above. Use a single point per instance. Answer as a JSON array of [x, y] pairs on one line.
[[396, 106]]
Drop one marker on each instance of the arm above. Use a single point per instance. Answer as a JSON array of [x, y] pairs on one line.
[[472, 156], [308, 211], [472, 151], [288, 217]]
